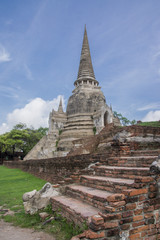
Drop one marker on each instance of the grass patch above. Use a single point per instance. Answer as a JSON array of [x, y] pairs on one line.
[[13, 184], [150, 124], [23, 220]]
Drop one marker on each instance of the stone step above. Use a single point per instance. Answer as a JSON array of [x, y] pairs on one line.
[[94, 197], [155, 152], [74, 210], [107, 183], [135, 161], [122, 172]]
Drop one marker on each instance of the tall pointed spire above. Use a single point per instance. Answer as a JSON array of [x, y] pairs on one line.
[[86, 71], [60, 108]]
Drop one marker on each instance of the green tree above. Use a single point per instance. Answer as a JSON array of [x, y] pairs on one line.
[[21, 138], [20, 126], [124, 121], [42, 131]]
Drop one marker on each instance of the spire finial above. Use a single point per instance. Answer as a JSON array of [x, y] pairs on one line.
[[85, 67]]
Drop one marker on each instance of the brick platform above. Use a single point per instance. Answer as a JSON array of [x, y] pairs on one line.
[[111, 189], [120, 199]]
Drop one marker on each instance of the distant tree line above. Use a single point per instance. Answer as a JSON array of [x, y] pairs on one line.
[[20, 139]]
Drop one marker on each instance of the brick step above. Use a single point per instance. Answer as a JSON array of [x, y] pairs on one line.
[[74, 210], [94, 197], [136, 161], [107, 183], [155, 152], [122, 172]]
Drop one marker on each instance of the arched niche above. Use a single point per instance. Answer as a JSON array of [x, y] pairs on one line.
[[106, 118]]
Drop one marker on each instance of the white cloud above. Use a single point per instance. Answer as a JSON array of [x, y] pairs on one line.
[[150, 106], [4, 55], [4, 128], [152, 116], [35, 113]]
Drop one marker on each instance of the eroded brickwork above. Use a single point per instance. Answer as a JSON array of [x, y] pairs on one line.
[[113, 191]]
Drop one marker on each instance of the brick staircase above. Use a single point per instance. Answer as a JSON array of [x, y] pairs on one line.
[[112, 189], [116, 199]]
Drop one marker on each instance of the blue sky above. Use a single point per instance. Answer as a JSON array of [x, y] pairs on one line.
[[40, 45]]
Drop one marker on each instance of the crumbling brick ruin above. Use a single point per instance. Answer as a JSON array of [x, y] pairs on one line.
[[111, 189]]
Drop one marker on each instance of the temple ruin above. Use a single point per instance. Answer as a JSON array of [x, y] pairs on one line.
[[87, 113], [110, 181]]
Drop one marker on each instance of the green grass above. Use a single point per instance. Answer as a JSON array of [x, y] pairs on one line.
[[150, 124], [13, 184]]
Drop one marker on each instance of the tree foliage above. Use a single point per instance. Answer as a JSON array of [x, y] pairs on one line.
[[21, 139], [124, 121]]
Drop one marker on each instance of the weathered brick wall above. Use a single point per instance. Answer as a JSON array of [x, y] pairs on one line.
[[131, 214], [119, 148], [100, 143], [59, 169], [56, 170]]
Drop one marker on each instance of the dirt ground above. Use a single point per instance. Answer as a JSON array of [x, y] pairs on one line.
[[10, 232]]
